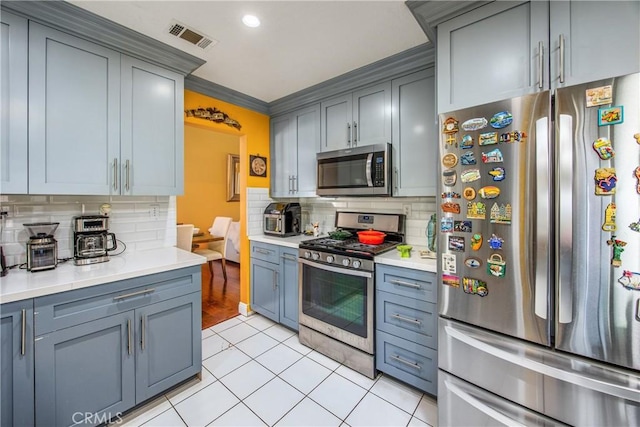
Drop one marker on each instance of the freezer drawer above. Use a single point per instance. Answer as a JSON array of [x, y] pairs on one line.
[[463, 404], [573, 390]]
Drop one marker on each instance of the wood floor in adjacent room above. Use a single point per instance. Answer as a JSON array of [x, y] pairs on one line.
[[220, 300]]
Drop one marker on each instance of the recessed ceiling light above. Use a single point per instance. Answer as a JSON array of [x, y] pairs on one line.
[[251, 21]]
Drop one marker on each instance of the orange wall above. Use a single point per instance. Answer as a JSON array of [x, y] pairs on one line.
[[253, 139]]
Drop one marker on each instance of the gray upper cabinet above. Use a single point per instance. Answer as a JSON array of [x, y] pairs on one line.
[[13, 103], [415, 135], [295, 140], [362, 117]]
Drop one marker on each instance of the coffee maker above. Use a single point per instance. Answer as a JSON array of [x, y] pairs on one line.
[[42, 248], [91, 239]]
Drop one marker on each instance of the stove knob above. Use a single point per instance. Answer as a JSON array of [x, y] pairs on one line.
[[346, 262], [315, 256], [329, 259], [356, 264], [307, 254]]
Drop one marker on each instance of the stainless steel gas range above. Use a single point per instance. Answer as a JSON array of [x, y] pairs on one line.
[[337, 287]]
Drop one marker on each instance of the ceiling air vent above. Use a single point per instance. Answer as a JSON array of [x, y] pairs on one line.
[[191, 35]]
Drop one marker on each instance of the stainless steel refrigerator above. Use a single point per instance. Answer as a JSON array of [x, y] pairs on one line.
[[539, 269]]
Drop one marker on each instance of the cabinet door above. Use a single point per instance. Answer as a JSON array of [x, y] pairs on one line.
[[335, 123], [264, 289], [74, 114], [492, 53], [86, 369], [168, 344], [308, 142], [601, 40], [415, 135], [13, 104], [283, 156], [288, 287], [16, 358], [372, 115], [152, 138]]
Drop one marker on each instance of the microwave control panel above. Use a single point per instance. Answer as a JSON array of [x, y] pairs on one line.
[[378, 170]]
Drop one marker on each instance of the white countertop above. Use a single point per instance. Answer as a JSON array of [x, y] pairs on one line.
[[392, 257], [290, 242], [23, 284]]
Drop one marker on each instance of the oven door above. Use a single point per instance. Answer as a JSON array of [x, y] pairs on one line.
[[337, 302]]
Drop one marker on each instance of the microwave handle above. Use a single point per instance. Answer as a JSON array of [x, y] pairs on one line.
[[369, 169]]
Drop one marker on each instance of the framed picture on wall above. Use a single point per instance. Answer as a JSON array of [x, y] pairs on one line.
[[257, 166], [233, 178]]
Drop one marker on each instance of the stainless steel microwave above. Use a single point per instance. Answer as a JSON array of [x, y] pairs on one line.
[[359, 171]]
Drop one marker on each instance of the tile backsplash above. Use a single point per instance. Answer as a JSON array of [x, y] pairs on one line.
[[140, 222], [323, 210]]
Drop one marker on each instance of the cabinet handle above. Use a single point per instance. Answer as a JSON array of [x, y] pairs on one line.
[[115, 174], [129, 336], [638, 310], [561, 44], [413, 365], [133, 294], [355, 133], [142, 334], [275, 280], [289, 257], [540, 64], [295, 183], [127, 168], [406, 319], [407, 284], [348, 134], [396, 183], [263, 251], [23, 335]]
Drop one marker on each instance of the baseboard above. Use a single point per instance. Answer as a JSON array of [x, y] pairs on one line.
[[244, 309]]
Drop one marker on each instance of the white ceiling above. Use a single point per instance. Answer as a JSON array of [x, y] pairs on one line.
[[299, 44]]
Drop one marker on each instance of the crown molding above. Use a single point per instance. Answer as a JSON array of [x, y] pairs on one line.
[[214, 90], [431, 13]]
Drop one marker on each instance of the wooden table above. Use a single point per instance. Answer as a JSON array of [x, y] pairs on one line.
[[205, 238]]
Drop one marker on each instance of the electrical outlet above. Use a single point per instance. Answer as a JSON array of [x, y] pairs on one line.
[[154, 211], [406, 209]]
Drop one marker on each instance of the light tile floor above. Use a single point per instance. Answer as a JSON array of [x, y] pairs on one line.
[[256, 373]]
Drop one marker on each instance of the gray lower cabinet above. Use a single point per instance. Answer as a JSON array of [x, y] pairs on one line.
[[274, 283], [406, 326], [102, 350], [17, 363]]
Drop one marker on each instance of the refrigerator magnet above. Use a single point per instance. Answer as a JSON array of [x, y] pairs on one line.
[[599, 96], [609, 218], [489, 192], [450, 207], [470, 175], [501, 120], [446, 225], [611, 115], [474, 124], [476, 210], [474, 286], [450, 125], [496, 266], [467, 142], [456, 243], [449, 263], [488, 138], [497, 174], [449, 160], [468, 158], [637, 174], [618, 246], [462, 226], [511, 137], [450, 195], [606, 180], [635, 226], [637, 137], [493, 156], [451, 280], [469, 193], [604, 148], [630, 280], [472, 262], [495, 242], [449, 177], [500, 214], [476, 241]]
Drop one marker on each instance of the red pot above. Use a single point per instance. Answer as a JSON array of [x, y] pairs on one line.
[[371, 237]]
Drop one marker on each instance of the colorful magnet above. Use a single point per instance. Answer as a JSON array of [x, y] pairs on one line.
[[611, 115], [446, 225], [449, 160], [635, 226], [637, 174], [474, 286], [488, 138], [603, 148], [469, 193], [468, 158], [470, 175], [450, 207], [609, 218], [474, 124], [495, 242], [450, 195], [497, 174], [449, 263], [496, 266], [511, 137], [476, 210], [476, 241], [605, 181], [599, 96], [630, 280], [500, 214], [617, 250], [493, 156], [451, 280], [636, 136], [462, 226], [489, 192], [449, 177], [456, 243], [467, 142], [472, 262], [501, 120], [450, 125]]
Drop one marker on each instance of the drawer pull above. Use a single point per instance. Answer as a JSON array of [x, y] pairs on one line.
[[133, 294], [413, 365], [23, 337], [406, 319], [407, 284], [289, 257], [263, 251]]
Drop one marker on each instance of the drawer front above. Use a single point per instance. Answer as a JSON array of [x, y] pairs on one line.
[[407, 318], [406, 282], [407, 361], [265, 252], [62, 310]]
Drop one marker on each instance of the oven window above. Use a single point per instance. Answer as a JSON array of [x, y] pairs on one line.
[[343, 172], [338, 299]]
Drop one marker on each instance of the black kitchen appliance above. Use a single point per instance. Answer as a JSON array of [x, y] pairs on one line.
[[91, 239], [282, 219], [42, 248]]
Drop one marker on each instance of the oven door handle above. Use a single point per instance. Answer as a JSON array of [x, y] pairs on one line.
[[348, 271]]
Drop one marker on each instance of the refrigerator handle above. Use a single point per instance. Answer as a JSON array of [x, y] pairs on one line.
[[564, 238], [638, 309], [561, 53], [541, 295]]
